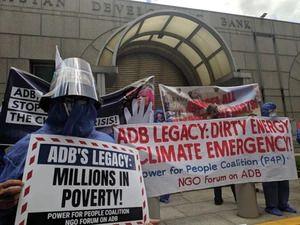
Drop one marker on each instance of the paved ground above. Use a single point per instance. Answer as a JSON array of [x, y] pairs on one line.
[[197, 208]]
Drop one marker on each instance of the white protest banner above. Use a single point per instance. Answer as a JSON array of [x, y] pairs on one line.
[[200, 154], [76, 181], [192, 102]]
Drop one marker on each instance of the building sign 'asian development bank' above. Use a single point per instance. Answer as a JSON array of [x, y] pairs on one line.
[[109, 8]]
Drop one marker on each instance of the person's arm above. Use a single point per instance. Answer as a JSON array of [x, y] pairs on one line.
[[9, 193], [153, 222]]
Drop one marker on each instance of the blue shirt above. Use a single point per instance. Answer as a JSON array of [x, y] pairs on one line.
[[79, 123]]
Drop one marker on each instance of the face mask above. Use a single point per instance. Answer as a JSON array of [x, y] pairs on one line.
[[273, 114]]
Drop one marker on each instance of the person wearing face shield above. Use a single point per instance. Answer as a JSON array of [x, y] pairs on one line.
[[276, 192], [72, 105]]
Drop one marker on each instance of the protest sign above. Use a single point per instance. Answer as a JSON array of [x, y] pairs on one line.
[[200, 154], [191, 103], [115, 104], [70, 180], [20, 112]]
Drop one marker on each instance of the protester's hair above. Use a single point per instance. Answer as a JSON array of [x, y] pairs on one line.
[[212, 109]]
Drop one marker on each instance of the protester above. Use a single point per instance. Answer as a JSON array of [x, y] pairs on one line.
[[153, 222], [276, 192], [196, 106], [298, 132], [71, 105], [213, 113]]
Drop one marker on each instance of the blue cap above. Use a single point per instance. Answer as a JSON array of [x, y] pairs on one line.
[[267, 108]]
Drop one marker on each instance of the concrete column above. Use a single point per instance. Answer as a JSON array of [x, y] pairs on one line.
[[100, 83], [246, 193], [154, 208]]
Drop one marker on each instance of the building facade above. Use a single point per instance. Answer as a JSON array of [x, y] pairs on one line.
[[123, 41]]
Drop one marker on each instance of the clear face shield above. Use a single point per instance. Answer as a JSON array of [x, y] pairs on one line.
[[73, 78]]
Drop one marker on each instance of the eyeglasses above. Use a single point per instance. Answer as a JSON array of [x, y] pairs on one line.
[[75, 99]]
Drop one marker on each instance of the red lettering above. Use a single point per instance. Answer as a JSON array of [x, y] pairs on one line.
[[279, 140], [197, 151], [214, 130], [181, 153], [143, 160], [249, 145], [270, 145], [155, 136], [210, 149], [122, 138], [260, 145], [133, 136], [168, 154], [143, 135]]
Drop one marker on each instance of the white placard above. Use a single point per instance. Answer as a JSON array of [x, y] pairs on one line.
[[200, 154], [76, 181]]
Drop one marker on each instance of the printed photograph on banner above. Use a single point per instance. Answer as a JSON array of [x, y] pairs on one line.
[[131, 104], [200, 102], [191, 155], [69, 180]]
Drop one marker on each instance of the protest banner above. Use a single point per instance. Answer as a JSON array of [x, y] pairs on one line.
[[191, 103], [200, 154], [116, 104], [21, 115], [74, 181], [20, 112]]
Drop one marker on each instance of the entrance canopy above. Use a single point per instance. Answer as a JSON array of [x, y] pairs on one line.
[[200, 44]]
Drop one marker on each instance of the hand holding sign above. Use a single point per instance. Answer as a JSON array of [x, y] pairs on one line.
[[9, 193], [153, 222], [138, 112]]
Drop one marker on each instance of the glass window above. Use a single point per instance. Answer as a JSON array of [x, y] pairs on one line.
[[181, 26], [203, 74], [190, 54], [154, 24], [170, 41], [106, 58], [43, 69], [205, 42], [143, 38], [113, 42], [220, 65], [130, 33]]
